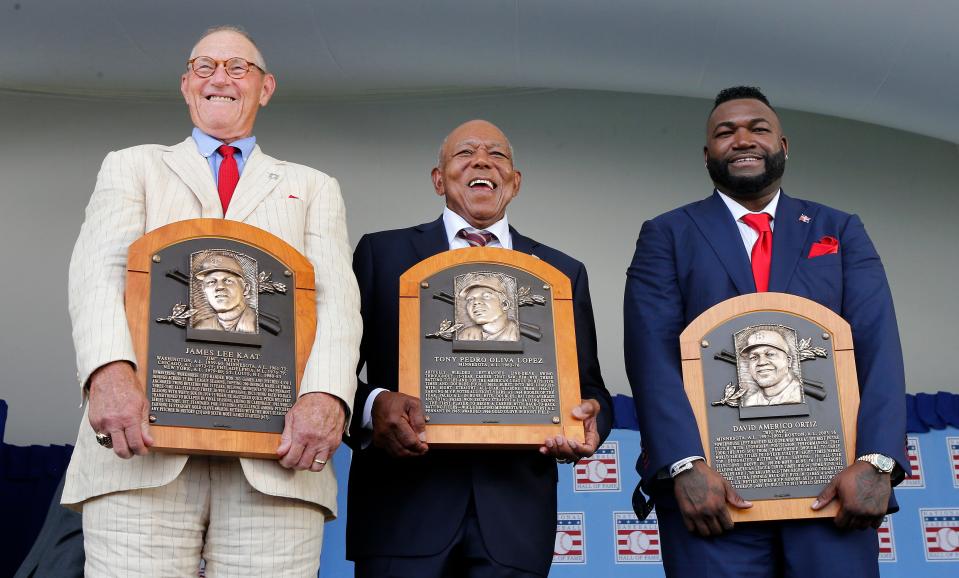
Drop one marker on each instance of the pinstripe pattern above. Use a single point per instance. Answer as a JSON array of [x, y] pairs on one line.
[[142, 188], [242, 532]]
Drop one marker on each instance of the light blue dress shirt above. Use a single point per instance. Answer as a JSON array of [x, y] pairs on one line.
[[206, 145]]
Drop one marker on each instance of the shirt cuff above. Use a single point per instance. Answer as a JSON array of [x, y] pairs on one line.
[[678, 467], [368, 408]]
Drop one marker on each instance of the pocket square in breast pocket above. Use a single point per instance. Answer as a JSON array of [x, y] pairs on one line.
[[825, 246]]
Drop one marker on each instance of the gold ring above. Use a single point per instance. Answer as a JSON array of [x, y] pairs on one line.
[[319, 461]]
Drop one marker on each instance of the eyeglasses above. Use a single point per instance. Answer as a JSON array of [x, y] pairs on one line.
[[236, 67]]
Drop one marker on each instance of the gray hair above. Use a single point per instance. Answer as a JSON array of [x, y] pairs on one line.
[[259, 60]]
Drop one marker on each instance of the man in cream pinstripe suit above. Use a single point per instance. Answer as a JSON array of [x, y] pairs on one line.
[[151, 514]]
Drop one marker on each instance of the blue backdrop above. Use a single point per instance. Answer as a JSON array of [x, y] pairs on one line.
[[599, 535]]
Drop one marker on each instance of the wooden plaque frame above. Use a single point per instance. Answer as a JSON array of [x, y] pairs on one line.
[[846, 383], [191, 440], [567, 366]]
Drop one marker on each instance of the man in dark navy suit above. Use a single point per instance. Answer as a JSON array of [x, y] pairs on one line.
[[423, 512], [750, 236]]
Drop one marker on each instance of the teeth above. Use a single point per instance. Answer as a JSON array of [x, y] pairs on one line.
[[475, 182], [745, 159], [216, 98]]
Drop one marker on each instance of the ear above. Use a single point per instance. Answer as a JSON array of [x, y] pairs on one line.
[[183, 83], [785, 145], [437, 176], [266, 91], [519, 182], [705, 154]]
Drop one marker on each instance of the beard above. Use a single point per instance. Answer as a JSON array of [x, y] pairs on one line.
[[747, 188]]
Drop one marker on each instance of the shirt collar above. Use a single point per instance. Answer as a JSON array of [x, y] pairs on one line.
[[453, 223], [739, 211], [206, 145]]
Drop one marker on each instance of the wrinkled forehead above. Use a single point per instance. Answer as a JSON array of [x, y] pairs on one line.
[[226, 44]]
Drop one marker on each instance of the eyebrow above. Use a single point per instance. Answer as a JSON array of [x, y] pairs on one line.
[[752, 122], [487, 144]]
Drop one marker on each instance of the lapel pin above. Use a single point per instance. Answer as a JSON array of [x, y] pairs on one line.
[[804, 218], [274, 176]]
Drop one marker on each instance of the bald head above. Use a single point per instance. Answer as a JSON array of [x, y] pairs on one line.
[[475, 173], [257, 58]]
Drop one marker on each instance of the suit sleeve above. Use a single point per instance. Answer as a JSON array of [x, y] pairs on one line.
[[364, 271], [115, 217], [591, 383], [867, 306], [653, 319], [332, 362]]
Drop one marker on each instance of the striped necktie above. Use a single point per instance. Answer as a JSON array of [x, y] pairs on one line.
[[476, 239]]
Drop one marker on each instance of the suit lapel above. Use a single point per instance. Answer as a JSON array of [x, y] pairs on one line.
[[261, 174], [789, 238], [716, 223], [190, 166], [521, 243], [431, 239]]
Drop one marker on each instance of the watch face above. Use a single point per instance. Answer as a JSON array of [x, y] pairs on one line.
[[885, 463]]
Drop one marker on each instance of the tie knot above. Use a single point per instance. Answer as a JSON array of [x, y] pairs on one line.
[[226, 151], [758, 222], [476, 238]]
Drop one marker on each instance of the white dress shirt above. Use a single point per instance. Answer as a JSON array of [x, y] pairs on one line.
[[453, 224]]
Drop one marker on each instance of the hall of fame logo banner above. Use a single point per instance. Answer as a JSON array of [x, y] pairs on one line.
[[570, 544], [600, 471], [637, 541], [887, 541], [952, 443], [916, 479], [940, 527]]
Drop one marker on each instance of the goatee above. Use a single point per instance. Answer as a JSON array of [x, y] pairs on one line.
[[747, 188]]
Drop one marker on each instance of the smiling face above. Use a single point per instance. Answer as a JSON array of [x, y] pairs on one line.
[[476, 173], [484, 305], [224, 290], [767, 365], [224, 107], [745, 150]]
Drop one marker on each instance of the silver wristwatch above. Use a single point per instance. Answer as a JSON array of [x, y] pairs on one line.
[[884, 464]]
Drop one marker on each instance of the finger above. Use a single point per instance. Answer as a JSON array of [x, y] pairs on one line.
[[317, 466], [688, 522], [702, 528], [292, 457], [306, 458], [715, 524], [134, 439], [826, 496], [417, 420], [286, 438], [405, 436], [589, 408], [120, 444], [733, 497], [842, 519]]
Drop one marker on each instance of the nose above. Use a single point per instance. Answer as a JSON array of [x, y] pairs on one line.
[[742, 139], [220, 77], [481, 158]]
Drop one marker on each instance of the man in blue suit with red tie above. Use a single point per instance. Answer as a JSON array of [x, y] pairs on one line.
[[748, 236], [418, 511]]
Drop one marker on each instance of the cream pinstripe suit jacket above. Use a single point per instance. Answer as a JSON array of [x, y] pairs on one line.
[[142, 188]]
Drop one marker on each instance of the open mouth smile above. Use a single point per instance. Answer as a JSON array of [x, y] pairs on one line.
[[484, 184]]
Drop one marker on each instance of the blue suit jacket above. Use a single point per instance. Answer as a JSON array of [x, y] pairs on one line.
[[692, 258], [413, 506]]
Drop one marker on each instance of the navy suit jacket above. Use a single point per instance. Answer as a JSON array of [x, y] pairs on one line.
[[692, 258], [413, 506]]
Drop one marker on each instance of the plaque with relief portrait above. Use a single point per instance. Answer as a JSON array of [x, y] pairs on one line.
[[223, 316], [771, 379], [487, 343]]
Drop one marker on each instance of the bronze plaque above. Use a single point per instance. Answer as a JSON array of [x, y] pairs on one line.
[[492, 353], [775, 396], [222, 316], [222, 348]]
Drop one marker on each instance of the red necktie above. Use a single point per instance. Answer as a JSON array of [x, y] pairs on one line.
[[477, 239], [762, 249], [229, 175]]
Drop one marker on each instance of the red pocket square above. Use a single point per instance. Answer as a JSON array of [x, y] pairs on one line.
[[294, 197], [825, 246]]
